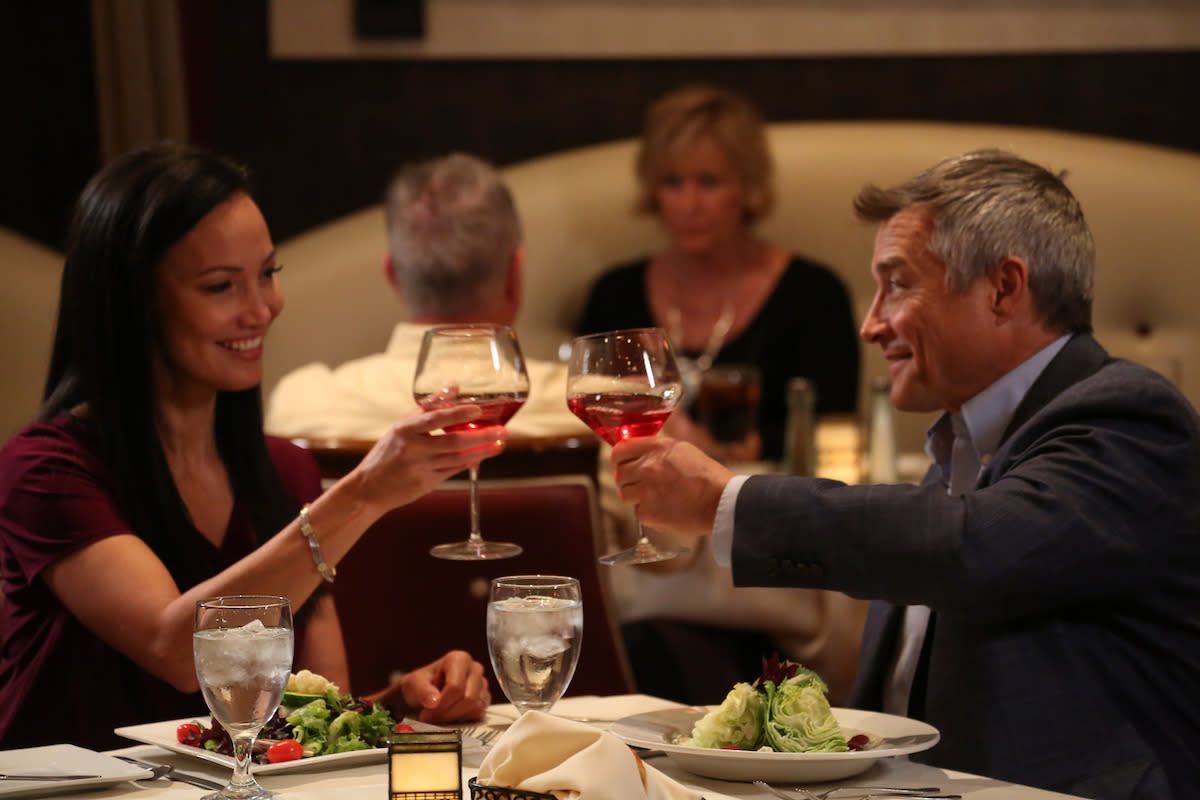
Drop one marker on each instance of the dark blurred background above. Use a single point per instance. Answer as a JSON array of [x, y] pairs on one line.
[[322, 136]]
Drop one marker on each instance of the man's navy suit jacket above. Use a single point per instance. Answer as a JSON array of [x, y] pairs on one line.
[[1065, 586]]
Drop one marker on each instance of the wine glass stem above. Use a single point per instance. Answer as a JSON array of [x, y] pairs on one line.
[[243, 749], [476, 536], [643, 543]]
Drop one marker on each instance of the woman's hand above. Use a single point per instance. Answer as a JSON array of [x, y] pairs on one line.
[[450, 689], [409, 461]]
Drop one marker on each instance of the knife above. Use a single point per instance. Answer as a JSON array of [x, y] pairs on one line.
[[6, 777]]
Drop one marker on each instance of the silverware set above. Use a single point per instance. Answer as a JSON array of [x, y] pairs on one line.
[[167, 771], [864, 792]]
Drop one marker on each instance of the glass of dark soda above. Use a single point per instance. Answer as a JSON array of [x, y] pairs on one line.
[[727, 401]]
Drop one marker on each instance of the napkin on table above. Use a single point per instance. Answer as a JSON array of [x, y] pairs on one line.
[[574, 761]]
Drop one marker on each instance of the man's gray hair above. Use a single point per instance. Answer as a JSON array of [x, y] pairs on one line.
[[452, 231], [988, 205]]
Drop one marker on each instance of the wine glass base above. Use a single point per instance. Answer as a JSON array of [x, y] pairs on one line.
[[475, 551], [642, 555], [251, 792]]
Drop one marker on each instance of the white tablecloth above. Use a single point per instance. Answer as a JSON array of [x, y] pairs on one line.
[[369, 782]]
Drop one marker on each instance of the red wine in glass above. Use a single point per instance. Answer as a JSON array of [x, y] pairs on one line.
[[493, 409], [624, 384], [479, 365], [615, 416]]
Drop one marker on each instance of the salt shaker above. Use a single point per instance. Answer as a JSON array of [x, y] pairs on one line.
[[800, 446]]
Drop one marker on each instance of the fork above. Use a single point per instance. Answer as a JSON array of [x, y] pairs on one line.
[[920, 793], [482, 733], [892, 790], [168, 771]]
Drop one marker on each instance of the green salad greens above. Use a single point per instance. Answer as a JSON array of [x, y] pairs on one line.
[[784, 710], [338, 724]]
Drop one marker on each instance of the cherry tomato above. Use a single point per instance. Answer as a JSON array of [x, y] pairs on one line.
[[188, 733], [284, 750], [402, 727]]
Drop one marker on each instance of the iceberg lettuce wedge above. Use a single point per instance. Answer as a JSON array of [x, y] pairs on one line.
[[784, 710], [799, 719], [737, 722]]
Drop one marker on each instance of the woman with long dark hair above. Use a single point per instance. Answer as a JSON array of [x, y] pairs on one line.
[[146, 482]]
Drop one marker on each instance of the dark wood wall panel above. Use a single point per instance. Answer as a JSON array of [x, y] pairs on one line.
[[49, 142], [322, 137]]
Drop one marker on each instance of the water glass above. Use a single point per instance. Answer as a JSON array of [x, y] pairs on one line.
[[534, 634], [242, 646]]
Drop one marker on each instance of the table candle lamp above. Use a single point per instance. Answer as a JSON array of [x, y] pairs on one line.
[[425, 765]]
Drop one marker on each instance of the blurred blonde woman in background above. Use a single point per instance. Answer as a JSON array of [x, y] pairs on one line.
[[723, 294]]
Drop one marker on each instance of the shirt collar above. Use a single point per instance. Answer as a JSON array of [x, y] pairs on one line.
[[988, 413]]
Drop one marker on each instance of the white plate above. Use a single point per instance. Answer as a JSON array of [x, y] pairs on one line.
[[62, 759], [658, 729], [162, 734]]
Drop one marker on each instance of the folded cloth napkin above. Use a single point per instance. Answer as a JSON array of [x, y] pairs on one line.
[[574, 761]]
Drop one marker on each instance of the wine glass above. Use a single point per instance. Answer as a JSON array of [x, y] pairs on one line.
[[624, 384], [479, 364], [242, 646], [534, 633]]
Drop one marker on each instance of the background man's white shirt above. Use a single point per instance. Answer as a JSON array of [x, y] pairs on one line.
[[363, 398]]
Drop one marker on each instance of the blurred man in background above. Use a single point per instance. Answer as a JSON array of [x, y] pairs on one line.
[[454, 256]]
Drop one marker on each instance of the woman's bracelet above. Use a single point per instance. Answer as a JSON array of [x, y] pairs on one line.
[[327, 572]]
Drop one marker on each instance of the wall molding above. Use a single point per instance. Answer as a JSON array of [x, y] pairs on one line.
[[543, 29]]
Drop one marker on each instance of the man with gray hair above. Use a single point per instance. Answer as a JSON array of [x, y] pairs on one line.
[[1037, 597], [454, 256]]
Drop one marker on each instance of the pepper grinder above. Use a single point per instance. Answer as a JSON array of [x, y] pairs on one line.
[[800, 446]]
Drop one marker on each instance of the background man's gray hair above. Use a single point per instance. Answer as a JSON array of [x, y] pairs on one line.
[[989, 205], [452, 232]]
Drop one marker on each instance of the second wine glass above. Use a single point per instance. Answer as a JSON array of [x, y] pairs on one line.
[[480, 365], [624, 384]]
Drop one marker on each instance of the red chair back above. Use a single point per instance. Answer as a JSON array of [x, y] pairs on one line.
[[401, 608]]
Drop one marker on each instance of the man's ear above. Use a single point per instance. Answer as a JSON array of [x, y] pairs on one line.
[[512, 287], [1010, 287]]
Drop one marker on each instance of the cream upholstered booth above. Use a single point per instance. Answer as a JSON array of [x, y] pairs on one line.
[[576, 205], [1139, 200], [27, 314]]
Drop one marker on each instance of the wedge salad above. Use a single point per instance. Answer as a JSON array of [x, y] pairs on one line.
[[785, 710], [314, 719]]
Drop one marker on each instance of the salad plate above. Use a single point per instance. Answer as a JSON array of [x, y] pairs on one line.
[[62, 759], [162, 734], [890, 736]]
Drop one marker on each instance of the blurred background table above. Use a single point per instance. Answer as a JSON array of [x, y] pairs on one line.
[[523, 457]]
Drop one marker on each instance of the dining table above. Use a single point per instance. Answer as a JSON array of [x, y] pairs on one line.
[[365, 781]]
